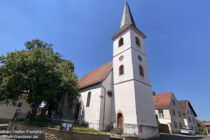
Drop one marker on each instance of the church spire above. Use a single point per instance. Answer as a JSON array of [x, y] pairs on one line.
[[127, 23], [127, 18]]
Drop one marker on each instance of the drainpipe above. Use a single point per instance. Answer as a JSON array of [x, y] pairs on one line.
[[104, 106]]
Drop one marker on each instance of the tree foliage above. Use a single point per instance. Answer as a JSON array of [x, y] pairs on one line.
[[39, 73], [201, 128]]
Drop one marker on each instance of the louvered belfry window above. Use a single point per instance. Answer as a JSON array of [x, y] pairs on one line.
[[121, 70], [121, 42], [138, 42], [141, 70]]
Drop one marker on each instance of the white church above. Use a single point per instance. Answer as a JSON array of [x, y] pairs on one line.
[[119, 93]]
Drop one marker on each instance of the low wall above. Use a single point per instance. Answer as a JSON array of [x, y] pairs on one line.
[[50, 134]]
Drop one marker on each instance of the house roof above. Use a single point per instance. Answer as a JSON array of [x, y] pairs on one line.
[[184, 105], [96, 76], [207, 124], [162, 100]]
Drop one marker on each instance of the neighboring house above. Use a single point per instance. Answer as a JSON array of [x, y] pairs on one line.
[[8, 111], [119, 94], [207, 127], [168, 112], [189, 115]]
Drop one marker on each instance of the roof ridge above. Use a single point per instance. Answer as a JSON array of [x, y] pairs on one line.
[[95, 76], [164, 93], [96, 68]]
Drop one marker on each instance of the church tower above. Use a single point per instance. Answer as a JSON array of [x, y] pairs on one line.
[[133, 92]]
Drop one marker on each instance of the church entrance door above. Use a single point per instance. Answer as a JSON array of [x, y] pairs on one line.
[[120, 120]]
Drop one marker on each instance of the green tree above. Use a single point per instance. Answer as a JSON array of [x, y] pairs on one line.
[[201, 128], [40, 74]]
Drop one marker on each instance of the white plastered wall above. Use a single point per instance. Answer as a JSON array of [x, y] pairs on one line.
[[133, 94], [108, 101], [8, 111], [92, 113]]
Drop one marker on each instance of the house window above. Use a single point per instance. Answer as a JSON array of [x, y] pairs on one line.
[[157, 100], [189, 119], [173, 112], [161, 112], [19, 104], [121, 42], [140, 58], [191, 112], [180, 125], [121, 70], [179, 114], [173, 101], [88, 99], [138, 42], [109, 93], [175, 125], [195, 120], [141, 70]]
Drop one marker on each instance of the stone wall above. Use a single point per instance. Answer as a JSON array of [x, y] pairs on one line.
[[51, 134]]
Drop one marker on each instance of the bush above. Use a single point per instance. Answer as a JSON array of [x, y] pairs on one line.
[[202, 131]]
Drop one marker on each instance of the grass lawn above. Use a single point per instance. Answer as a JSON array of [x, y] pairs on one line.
[[42, 124], [49, 125], [84, 129]]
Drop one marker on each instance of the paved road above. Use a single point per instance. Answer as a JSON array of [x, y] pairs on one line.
[[183, 137]]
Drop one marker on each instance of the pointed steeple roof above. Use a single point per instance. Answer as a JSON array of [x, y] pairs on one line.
[[127, 18], [127, 22]]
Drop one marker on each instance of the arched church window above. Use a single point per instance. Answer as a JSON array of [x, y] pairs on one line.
[[88, 99], [141, 70], [138, 42], [109, 93], [121, 42], [121, 70]]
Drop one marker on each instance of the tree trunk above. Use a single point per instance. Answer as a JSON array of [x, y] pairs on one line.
[[49, 112], [33, 114]]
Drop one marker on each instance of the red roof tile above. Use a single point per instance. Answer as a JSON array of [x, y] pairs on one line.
[[162, 100], [207, 124], [96, 76]]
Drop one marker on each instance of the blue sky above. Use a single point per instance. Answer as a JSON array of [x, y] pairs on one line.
[[177, 46]]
